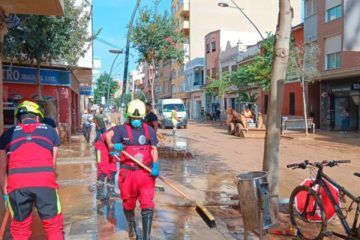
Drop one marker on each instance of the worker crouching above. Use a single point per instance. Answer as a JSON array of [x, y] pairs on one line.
[[28, 154], [139, 140]]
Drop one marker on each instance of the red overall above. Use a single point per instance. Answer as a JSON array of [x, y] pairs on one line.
[[106, 164], [31, 177], [136, 183]]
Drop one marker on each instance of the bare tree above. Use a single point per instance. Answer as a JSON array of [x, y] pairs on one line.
[[303, 61], [280, 62]]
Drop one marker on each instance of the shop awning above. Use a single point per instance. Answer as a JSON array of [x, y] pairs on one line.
[[38, 7], [84, 75]]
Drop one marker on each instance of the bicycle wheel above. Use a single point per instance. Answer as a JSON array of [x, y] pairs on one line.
[[307, 213]]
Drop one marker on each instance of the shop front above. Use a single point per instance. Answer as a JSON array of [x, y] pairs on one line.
[[337, 97], [197, 104], [60, 92]]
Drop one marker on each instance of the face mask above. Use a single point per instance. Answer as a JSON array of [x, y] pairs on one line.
[[136, 123]]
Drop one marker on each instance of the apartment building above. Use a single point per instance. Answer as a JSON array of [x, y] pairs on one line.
[[333, 25], [197, 18], [194, 72]]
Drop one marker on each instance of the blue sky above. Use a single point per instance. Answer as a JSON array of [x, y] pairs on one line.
[[113, 17]]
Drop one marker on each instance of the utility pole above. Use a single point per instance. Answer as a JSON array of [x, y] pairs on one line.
[[127, 52]]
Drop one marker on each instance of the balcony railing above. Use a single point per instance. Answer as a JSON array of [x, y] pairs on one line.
[[184, 7]]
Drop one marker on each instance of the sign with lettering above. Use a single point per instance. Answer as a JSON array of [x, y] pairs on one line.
[[86, 90], [28, 75]]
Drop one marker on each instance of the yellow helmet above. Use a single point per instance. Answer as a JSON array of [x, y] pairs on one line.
[[136, 109], [29, 107]]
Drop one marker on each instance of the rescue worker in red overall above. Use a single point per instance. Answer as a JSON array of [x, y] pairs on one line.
[[106, 169], [28, 154], [139, 140]]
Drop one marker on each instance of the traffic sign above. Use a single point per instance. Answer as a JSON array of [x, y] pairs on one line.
[[300, 201]]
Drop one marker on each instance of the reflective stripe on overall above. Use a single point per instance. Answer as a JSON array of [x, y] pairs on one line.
[[30, 164], [136, 183]]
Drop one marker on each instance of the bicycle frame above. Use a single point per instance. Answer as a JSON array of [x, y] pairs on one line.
[[320, 180]]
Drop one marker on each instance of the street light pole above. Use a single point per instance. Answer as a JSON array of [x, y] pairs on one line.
[[127, 52], [117, 52], [243, 13]]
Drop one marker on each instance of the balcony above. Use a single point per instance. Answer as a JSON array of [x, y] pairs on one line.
[[186, 27], [40, 7], [184, 8]]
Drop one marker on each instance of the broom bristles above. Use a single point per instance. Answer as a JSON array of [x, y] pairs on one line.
[[206, 216]]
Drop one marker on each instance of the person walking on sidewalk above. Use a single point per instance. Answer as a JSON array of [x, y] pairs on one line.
[[106, 169], [100, 123], [86, 118], [139, 140], [28, 155]]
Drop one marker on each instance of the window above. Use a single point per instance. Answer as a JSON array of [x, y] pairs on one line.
[[310, 7], [334, 13], [234, 68], [225, 69], [332, 60], [213, 46], [207, 72], [213, 73], [291, 103], [332, 52], [266, 102], [208, 48]]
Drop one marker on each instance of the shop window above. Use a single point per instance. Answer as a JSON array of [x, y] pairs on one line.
[[266, 102], [334, 13], [332, 60], [213, 46], [291, 103]]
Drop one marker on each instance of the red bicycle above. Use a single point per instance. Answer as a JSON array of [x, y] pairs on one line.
[[311, 205]]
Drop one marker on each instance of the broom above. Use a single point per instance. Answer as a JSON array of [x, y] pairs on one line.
[[201, 210], [3, 224]]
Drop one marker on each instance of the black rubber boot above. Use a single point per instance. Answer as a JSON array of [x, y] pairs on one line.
[[100, 186], [130, 217], [111, 186], [147, 216]]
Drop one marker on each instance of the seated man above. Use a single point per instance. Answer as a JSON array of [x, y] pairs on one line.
[[248, 115]]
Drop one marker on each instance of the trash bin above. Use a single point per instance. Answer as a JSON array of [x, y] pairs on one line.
[[254, 200]]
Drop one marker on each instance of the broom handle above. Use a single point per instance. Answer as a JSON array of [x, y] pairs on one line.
[[161, 178], [3, 224]]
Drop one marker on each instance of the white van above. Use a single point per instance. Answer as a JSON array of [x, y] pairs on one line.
[[165, 106]]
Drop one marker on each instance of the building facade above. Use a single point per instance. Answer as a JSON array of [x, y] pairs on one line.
[[194, 72], [331, 24], [197, 18]]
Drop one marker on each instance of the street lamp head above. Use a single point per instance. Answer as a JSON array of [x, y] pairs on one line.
[[116, 51], [222, 4]]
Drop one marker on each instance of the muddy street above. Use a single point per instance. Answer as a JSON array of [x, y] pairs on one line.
[[208, 176]]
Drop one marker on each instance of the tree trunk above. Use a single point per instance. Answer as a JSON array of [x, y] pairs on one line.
[[153, 75], [38, 79], [3, 30], [272, 139], [305, 106]]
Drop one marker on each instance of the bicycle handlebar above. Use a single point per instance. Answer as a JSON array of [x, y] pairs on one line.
[[330, 163]]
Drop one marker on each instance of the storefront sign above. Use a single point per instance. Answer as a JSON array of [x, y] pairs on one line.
[[28, 75], [86, 90], [340, 89]]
